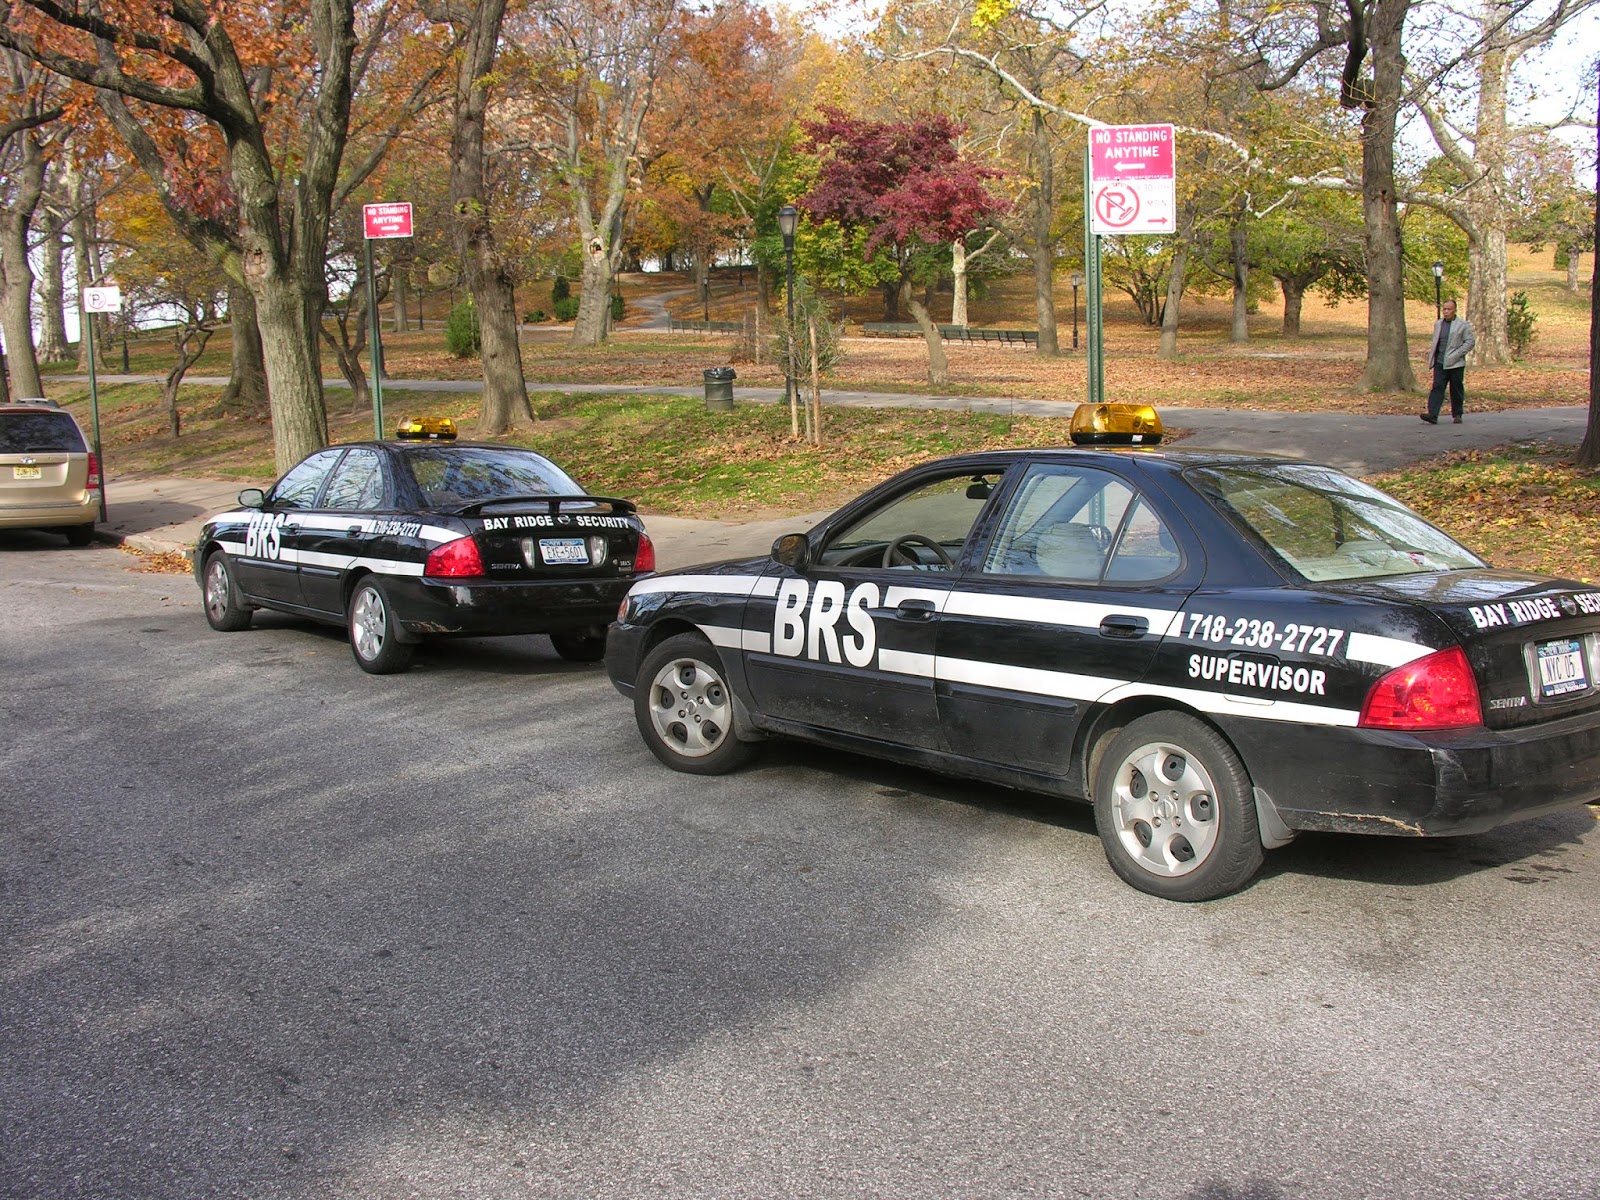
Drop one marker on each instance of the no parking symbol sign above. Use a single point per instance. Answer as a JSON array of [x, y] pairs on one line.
[[1132, 179]]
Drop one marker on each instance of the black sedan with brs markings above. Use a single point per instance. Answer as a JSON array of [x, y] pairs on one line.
[[1216, 650], [424, 536]]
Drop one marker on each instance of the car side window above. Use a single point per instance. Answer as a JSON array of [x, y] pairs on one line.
[[1080, 524], [299, 488], [924, 529], [357, 482]]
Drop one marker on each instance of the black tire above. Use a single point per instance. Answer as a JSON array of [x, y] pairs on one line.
[[374, 633], [225, 610], [79, 536], [684, 708], [1175, 809], [580, 647]]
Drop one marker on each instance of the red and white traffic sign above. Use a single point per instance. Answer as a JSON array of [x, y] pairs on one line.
[[1133, 179], [387, 220]]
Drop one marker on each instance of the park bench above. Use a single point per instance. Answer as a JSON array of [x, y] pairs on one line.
[[674, 325], [953, 333]]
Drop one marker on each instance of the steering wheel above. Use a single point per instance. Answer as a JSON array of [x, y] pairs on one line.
[[914, 539]]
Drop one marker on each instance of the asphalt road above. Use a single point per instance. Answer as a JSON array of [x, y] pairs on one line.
[[270, 927]]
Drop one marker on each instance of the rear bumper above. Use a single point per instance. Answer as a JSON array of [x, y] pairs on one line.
[[1422, 785], [427, 607], [48, 516]]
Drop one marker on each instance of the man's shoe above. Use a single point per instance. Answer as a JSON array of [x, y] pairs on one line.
[[1428, 419], [1455, 420]]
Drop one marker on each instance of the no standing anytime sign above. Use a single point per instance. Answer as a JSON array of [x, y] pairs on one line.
[[1132, 179]]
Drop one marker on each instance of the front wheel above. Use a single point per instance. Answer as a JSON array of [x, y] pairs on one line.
[[1175, 810], [374, 633], [224, 609], [684, 709]]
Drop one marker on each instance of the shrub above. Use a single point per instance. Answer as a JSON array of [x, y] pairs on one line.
[[534, 317], [566, 308], [830, 349], [1520, 320], [462, 336], [560, 290], [616, 308]]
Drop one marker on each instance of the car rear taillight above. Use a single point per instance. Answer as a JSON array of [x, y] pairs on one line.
[[1434, 692], [454, 560], [94, 472], [645, 560]]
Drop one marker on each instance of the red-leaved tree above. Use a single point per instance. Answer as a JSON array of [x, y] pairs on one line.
[[906, 183]]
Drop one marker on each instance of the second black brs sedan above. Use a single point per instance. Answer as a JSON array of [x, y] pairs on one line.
[[424, 536]]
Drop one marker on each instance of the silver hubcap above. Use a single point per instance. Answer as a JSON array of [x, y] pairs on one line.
[[1165, 807], [689, 707], [216, 590], [368, 624]]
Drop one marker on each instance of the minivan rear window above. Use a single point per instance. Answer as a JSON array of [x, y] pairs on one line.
[[27, 432]]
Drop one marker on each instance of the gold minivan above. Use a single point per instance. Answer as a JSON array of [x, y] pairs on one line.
[[49, 478]]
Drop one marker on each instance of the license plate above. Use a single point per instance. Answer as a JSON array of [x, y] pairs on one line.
[[1561, 668], [26, 473], [563, 551]]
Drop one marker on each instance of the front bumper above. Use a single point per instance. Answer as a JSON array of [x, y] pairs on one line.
[[624, 652], [427, 607], [1425, 784]]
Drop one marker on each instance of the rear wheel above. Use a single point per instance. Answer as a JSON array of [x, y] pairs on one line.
[[374, 633], [580, 647], [79, 535], [684, 709], [1175, 810], [224, 609]]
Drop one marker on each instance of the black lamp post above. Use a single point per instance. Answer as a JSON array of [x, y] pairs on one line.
[[1077, 282], [788, 222], [1438, 290]]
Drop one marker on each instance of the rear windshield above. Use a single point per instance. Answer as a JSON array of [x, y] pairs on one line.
[[1325, 526], [25, 432], [453, 476]]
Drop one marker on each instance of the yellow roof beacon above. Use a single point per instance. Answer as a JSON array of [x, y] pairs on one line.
[[1115, 425], [426, 429]]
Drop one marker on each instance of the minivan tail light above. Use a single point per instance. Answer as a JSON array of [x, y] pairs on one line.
[[645, 560], [93, 482], [1437, 691], [454, 560]]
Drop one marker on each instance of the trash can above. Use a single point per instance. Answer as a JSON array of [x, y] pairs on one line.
[[719, 389]]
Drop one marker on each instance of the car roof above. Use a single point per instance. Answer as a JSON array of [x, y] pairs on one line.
[[1159, 458]]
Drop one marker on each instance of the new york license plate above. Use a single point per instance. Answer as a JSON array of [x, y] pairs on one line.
[[1561, 668], [26, 473], [563, 551]]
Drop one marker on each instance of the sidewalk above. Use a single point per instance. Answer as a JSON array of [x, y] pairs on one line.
[[160, 514]]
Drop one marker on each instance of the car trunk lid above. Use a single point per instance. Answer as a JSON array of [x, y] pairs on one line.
[[557, 536]]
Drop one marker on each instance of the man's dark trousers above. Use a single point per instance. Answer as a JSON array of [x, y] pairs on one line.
[[1452, 377]]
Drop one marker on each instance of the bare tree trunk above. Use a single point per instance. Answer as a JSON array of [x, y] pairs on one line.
[[1239, 239], [246, 392], [85, 253], [505, 389], [938, 364], [1044, 244], [16, 274], [958, 281], [53, 344], [1388, 366], [1169, 311], [1293, 299], [1589, 452], [1574, 258]]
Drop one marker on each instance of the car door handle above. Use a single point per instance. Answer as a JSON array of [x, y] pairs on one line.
[[914, 610], [355, 531], [1120, 625], [291, 529]]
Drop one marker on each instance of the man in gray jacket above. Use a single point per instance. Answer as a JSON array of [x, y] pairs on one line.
[[1452, 342]]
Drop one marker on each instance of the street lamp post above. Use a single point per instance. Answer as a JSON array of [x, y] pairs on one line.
[[1077, 282], [1438, 290], [788, 222]]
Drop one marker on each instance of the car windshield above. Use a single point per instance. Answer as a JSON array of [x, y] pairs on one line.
[[1326, 526], [453, 476], [25, 432]]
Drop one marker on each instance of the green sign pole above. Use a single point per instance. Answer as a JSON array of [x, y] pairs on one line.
[[375, 351], [87, 318], [1093, 315]]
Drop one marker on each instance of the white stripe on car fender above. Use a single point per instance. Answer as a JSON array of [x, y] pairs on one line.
[[714, 585], [1383, 651]]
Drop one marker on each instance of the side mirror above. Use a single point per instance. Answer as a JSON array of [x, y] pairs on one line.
[[252, 498], [793, 551]]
